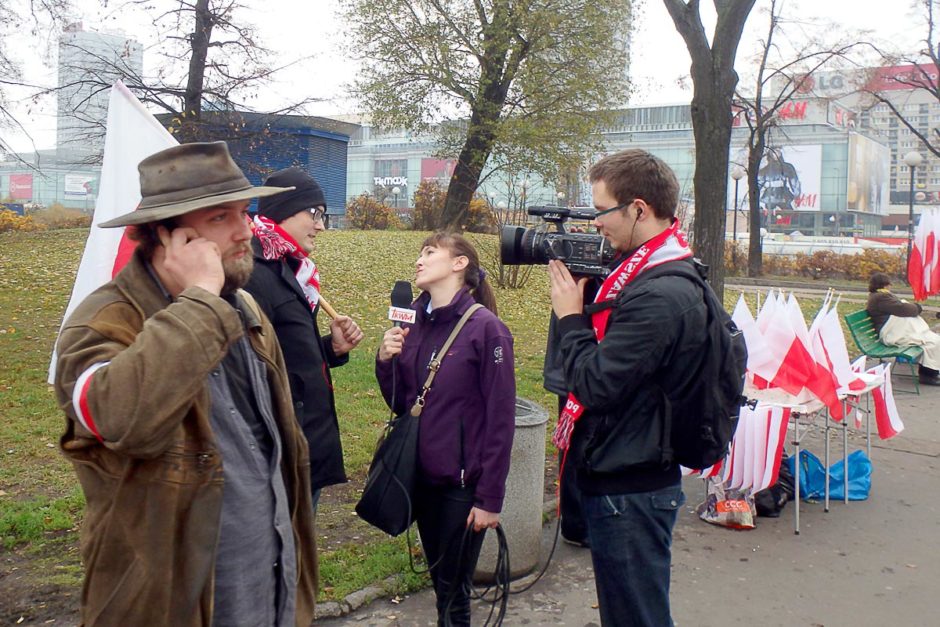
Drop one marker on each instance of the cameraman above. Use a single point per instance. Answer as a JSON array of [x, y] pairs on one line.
[[619, 356]]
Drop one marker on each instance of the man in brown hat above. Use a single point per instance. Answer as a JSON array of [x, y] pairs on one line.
[[180, 424]]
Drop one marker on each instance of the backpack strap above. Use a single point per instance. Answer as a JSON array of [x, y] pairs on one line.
[[696, 272]]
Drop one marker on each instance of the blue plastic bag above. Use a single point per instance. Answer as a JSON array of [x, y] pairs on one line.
[[813, 477]]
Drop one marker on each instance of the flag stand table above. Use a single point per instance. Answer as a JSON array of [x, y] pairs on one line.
[[803, 416], [851, 402]]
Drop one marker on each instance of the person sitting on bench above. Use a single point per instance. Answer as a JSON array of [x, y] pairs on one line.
[[899, 324]]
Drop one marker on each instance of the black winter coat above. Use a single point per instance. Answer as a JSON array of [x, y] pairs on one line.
[[654, 342], [309, 358]]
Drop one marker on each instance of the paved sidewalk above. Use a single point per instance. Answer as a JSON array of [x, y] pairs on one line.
[[866, 563]]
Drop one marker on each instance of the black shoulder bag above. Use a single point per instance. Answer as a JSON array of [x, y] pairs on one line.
[[386, 499]]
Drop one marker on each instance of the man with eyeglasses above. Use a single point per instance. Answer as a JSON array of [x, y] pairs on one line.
[[286, 283], [638, 345]]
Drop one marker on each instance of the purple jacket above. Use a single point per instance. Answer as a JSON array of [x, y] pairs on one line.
[[476, 382]]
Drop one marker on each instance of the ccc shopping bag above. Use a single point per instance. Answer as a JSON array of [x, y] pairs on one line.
[[813, 477]]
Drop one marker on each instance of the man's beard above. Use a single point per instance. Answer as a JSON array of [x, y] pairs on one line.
[[237, 271]]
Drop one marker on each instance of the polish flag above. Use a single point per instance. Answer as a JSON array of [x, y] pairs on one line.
[[132, 135], [787, 340], [760, 361], [766, 313], [757, 442], [858, 369], [820, 382], [887, 417], [831, 341], [923, 267], [777, 423]]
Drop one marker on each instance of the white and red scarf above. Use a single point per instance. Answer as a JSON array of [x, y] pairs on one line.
[[276, 243], [670, 245]]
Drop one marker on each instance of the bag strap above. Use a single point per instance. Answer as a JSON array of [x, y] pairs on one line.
[[435, 364]]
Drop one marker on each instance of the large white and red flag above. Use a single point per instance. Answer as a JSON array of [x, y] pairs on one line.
[[824, 383], [792, 364], [923, 267], [132, 135], [819, 381]]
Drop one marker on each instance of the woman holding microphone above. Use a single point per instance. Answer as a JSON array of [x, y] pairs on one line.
[[467, 424]]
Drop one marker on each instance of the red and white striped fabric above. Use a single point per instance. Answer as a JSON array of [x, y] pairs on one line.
[[80, 398], [757, 448], [823, 384], [760, 360], [132, 135], [887, 417], [923, 267], [788, 340]]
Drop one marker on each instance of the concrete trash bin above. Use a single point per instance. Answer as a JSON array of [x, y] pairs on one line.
[[521, 517]]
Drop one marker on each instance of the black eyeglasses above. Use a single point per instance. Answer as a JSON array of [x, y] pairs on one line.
[[604, 212], [317, 213]]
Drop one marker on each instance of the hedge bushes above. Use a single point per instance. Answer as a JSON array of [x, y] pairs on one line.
[[822, 264], [12, 221], [53, 217]]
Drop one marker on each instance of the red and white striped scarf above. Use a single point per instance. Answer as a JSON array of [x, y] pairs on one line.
[[670, 245], [276, 243]]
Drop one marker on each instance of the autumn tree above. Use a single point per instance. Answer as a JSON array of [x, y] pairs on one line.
[[713, 81], [368, 213], [535, 78], [783, 63]]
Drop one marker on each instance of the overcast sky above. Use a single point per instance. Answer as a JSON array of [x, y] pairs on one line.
[[311, 28]]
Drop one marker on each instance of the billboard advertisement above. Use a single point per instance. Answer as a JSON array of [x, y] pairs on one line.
[[790, 179], [438, 170], [21, 186], [868, 177], [78, 185]]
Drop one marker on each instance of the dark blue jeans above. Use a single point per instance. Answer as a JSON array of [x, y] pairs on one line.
[[631, 547]]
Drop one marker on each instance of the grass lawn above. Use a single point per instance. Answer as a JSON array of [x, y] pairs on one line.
[[40, 501]]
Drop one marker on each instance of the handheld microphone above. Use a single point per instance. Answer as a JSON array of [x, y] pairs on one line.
[[401, 310]]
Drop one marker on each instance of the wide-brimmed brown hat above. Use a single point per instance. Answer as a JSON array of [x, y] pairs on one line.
[[189, 177]]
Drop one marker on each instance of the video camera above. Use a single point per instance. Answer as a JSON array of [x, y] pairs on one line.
[[585, 254]]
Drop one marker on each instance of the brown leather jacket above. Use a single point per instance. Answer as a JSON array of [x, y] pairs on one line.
[[153, 480]]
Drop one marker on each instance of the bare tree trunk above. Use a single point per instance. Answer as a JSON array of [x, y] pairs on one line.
[[463, 184], [755, 252], [713, 80], [199, 42], [711, 123]]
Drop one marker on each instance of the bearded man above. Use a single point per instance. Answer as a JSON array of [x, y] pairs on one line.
[[180, 424]]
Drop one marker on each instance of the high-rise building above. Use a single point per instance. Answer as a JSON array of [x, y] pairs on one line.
[[854, 87], [89, 62]]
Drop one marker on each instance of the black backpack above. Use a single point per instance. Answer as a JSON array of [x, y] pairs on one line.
[[699, 425]]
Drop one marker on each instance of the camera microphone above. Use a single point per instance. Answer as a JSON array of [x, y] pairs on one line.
[[401, 310]]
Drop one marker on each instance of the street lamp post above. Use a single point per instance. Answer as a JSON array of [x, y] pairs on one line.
[[561, 198], [737, 174], [911, 160], [396, 191]]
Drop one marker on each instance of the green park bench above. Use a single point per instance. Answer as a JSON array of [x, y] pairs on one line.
[[866, 338]]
